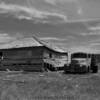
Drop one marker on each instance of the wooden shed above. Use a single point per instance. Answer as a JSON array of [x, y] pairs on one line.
[[31, 54]]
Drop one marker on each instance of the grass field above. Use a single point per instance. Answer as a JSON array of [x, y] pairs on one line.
[[49, 86]]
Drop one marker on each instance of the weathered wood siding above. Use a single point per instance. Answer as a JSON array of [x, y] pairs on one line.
[[31, 58], [23, 58], [54, 58]]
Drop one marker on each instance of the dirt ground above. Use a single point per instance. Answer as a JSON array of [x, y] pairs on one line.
[[49, 86]]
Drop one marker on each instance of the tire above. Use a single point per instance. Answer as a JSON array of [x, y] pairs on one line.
[[88, 69], [95, 69], [65, 69], [45, 67]]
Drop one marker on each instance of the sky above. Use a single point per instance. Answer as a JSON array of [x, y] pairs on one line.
[[73, 25]]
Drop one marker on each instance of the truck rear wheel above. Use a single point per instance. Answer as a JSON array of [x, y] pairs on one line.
[[95, 69]]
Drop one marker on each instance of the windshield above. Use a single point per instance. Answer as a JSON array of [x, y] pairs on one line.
[[82, 61]]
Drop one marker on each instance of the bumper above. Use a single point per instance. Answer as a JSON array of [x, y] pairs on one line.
[[76, 69]]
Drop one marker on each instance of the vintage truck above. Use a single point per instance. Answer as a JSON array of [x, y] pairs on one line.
[[81, 63]]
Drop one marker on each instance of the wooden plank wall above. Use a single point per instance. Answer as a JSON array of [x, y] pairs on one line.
[[23, 58]]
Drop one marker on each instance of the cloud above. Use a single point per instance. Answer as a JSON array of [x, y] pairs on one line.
[[30, 13], [84, 21], [5, 38], [53, 38], [95, 44], [80, 11], [96, 33], [86, 49], [94, 28], [95, 47], [54, 2]]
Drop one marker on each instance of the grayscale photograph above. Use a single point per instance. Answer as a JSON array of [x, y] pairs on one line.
[[49, 49]]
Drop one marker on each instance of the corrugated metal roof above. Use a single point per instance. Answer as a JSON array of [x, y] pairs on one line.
[[25, 42], [30, 42], [53, 47], [50, 45]]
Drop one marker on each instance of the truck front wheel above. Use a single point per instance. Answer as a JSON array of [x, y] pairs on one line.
[[88, 70]]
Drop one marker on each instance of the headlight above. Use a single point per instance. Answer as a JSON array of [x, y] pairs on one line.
[[81, 65]]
